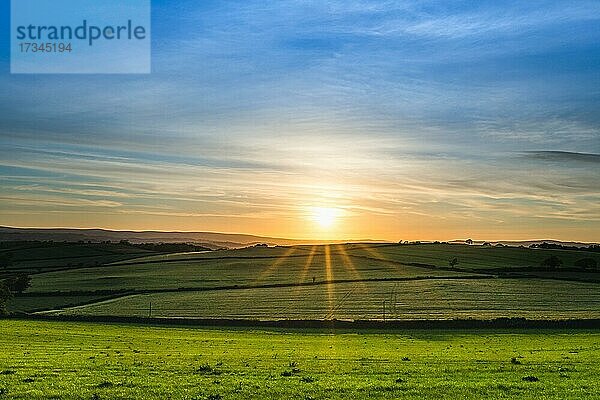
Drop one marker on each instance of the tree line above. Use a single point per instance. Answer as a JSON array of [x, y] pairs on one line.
[[555, 246]]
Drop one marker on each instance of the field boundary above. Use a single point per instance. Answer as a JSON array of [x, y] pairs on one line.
[[499, 323], [126, 292]]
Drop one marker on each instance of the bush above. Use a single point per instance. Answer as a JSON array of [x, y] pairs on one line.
[[19, 283], [552, 262]]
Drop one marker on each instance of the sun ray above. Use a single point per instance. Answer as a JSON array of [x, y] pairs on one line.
[[355, 274], [375, 255], [309, 260], [271, 268], [328, 269], [308, 263], [328, 278], [348, 263]]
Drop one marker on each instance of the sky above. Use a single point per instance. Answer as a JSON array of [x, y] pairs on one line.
[[399, 120]]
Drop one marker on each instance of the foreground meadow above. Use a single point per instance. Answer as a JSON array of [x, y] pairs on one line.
[[59, 360]]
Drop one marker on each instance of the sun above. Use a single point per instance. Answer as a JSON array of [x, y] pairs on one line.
[[325, 216]]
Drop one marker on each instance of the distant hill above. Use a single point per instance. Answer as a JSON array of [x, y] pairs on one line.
[[208, 239], [213, 240], [525, 243]]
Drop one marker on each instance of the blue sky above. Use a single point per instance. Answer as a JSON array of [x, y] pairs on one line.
[[415, 120]]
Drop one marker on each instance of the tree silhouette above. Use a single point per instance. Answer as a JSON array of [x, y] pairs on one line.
[[552, 262], [19, 283]]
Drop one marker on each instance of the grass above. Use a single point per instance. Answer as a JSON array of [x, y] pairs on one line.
[[34, 303], [425, 299], [39, 257], [255, 266], [470, 257], [283, 266], [68, 360], [363, 298], [59, 360]]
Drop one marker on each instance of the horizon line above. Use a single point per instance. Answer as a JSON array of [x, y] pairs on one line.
[[295, 239]]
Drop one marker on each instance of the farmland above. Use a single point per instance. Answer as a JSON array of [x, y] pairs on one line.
[[41, 360], [420, 299], [60, 359], [350, 282], [38, 257], [228, 270]]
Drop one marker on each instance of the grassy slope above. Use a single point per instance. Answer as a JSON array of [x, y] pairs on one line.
[[35, 303], [42, 360], [267, 266], [291, 265], [425, 299], [34, 258], [229, 271], [471, 257]]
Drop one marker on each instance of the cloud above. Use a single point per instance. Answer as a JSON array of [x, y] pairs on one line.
[[259, 109], [563, 156]]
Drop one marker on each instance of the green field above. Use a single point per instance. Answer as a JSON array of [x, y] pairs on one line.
[[470, 257], [438, 255], [228, 271], [57, 360], [353, 281], [35, 303], [31, 257], [76, 360], [423, 299]]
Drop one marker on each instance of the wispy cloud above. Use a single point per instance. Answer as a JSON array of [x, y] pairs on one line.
[[564, 156], [402, 113]]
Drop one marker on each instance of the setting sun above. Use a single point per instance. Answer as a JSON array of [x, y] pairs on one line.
[[325, 216]]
